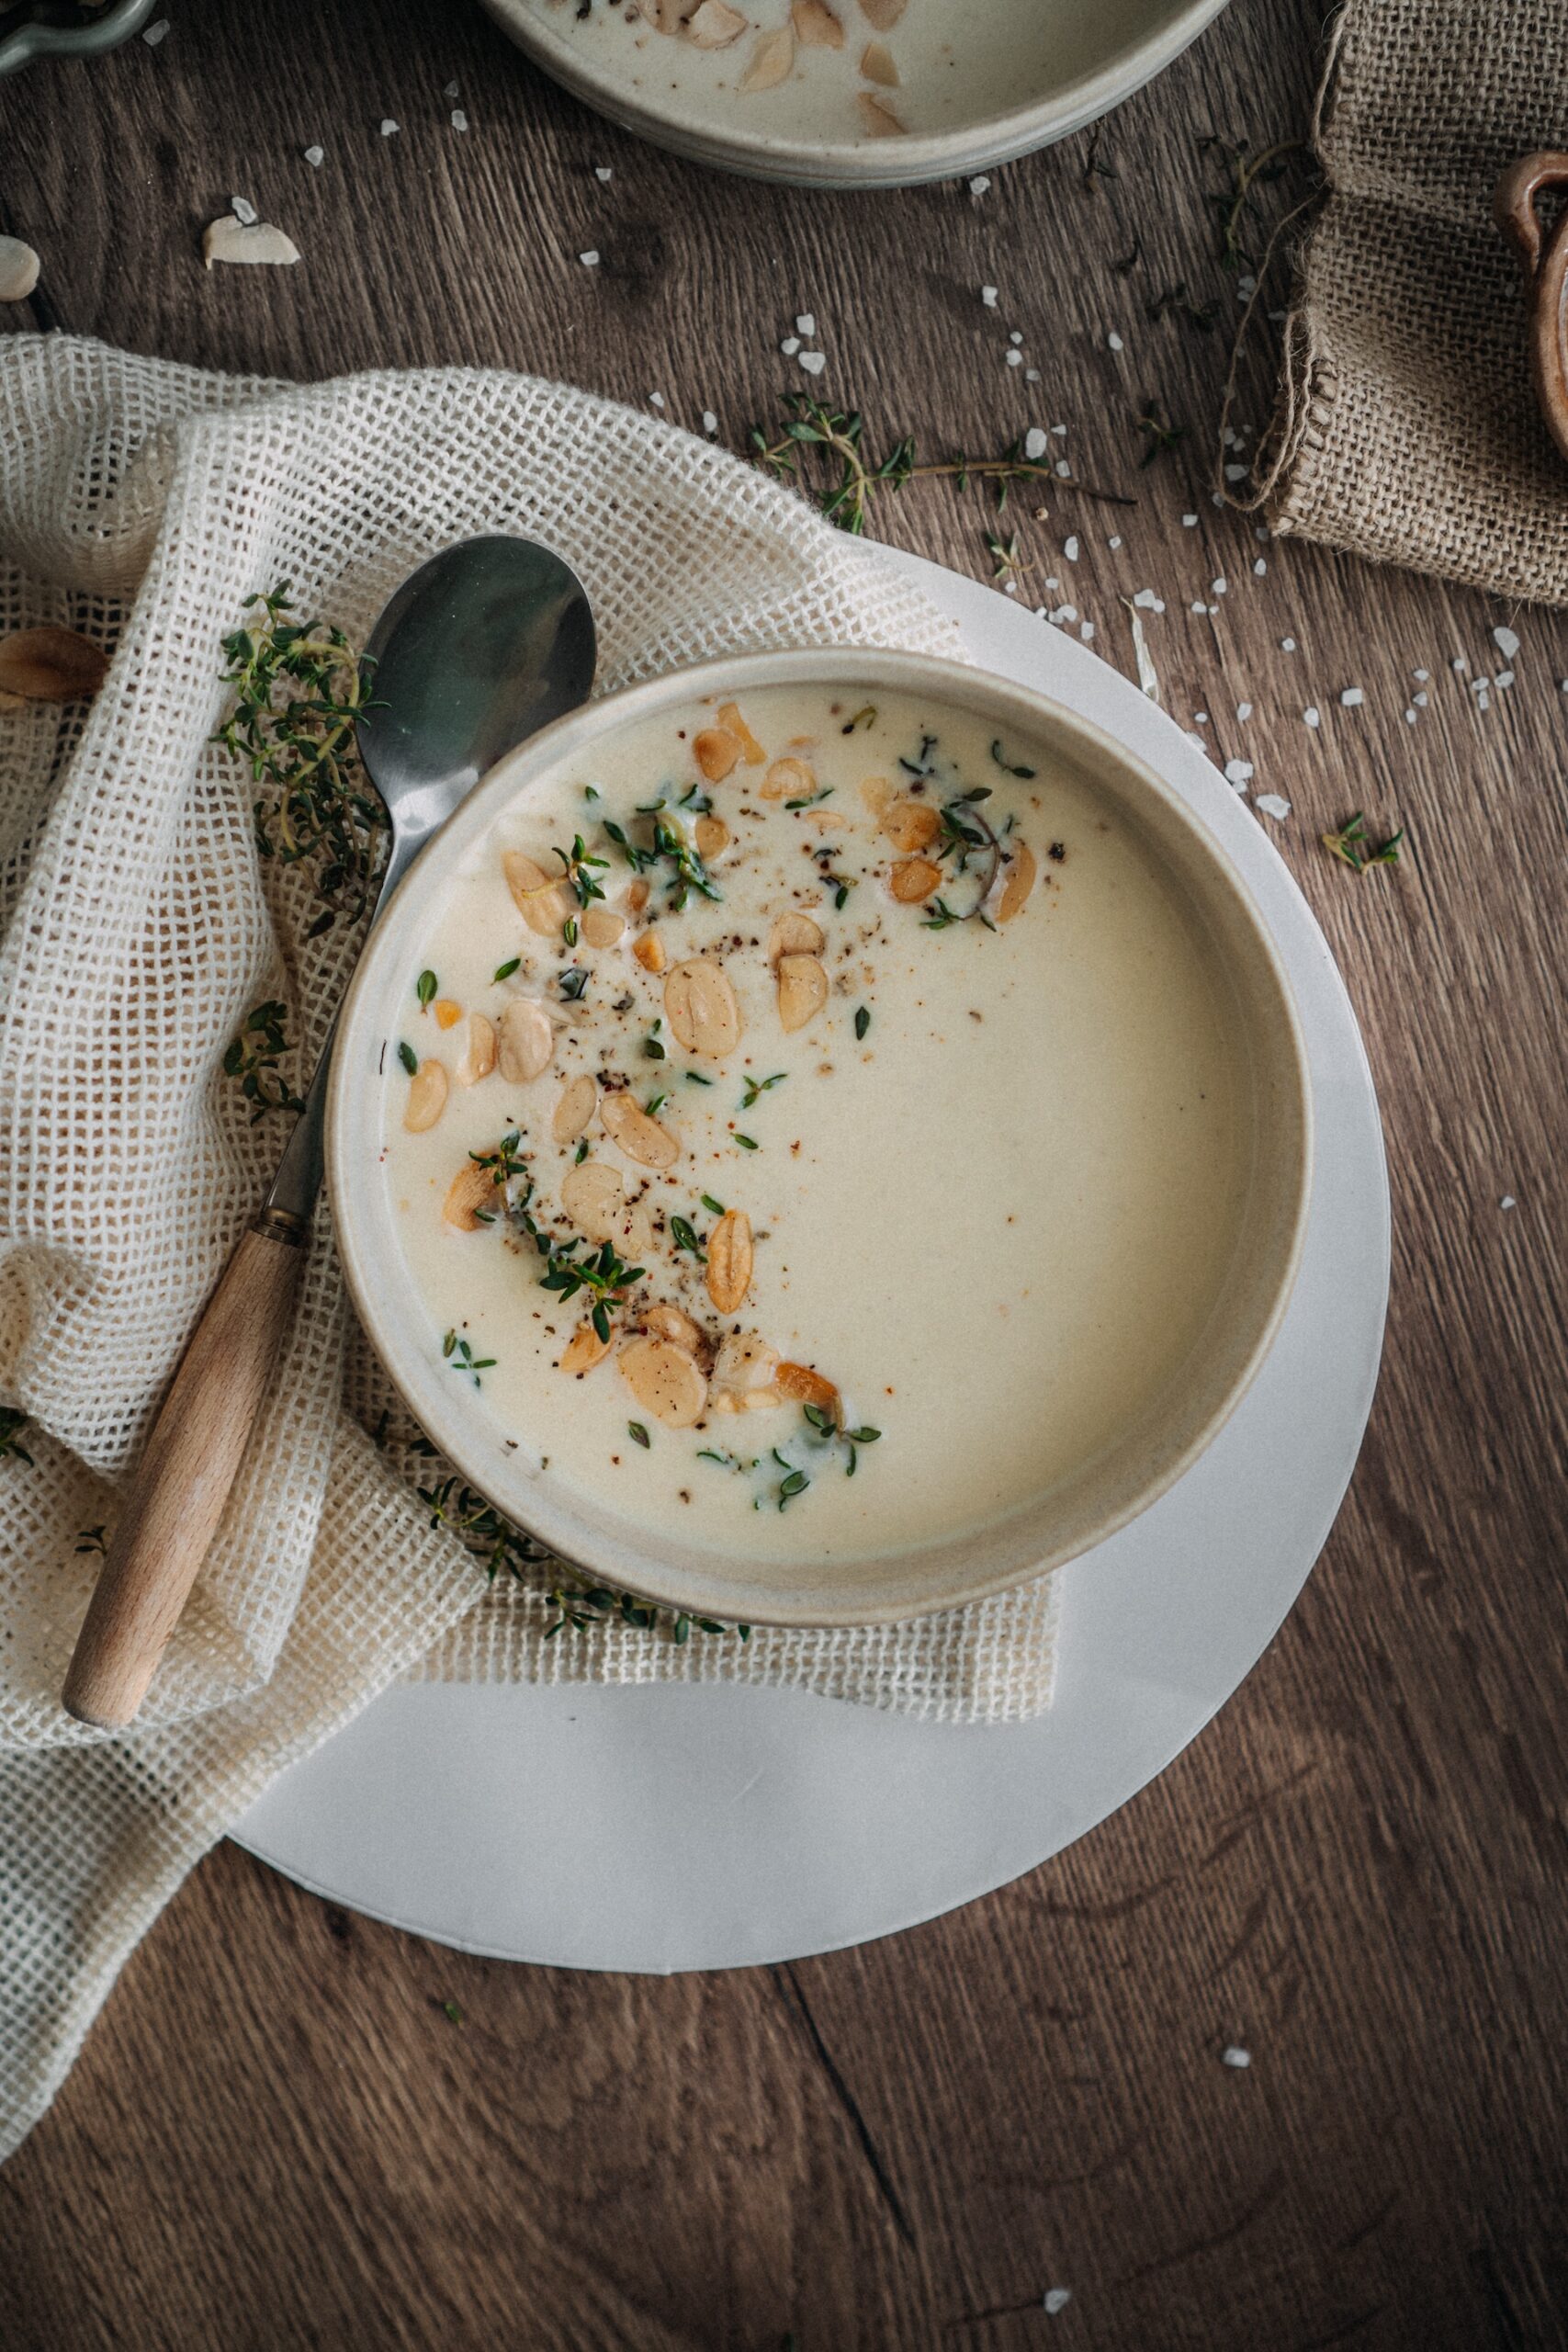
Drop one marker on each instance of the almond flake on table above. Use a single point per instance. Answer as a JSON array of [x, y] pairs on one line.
[[1273, 806], [228, 240]]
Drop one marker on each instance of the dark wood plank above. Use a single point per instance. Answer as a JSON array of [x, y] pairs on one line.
[[276, 2137]]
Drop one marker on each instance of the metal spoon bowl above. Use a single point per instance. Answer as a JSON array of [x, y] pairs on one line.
[[479, 648]]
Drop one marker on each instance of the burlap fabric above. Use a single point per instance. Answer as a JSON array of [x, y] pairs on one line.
[[1408, 430], [144, 505]]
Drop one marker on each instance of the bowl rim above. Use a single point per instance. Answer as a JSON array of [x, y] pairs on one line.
[[883, 163], [357, 1072]]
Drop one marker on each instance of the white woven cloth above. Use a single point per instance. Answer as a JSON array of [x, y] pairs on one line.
[[143, 503]]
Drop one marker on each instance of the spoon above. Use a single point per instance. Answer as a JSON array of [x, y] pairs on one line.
[[478, 650]]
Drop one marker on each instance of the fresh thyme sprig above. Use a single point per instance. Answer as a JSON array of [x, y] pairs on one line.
[[13, 1422], [299, 694], [602, 1274], [461, 1357], [254, 1055], [846, 479], [1163, 434], [1235, 206], [1354, 847], [579, 869]]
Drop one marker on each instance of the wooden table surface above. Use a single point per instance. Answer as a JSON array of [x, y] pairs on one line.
[[276, 2137]]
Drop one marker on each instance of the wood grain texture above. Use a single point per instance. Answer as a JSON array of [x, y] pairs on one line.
[[170, 1513], [276, 2137]]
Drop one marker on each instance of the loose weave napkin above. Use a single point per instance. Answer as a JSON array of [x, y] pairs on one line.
[[144, 505], [1406, 429]]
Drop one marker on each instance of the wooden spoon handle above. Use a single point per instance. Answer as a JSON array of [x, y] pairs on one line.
[[177, 1495]]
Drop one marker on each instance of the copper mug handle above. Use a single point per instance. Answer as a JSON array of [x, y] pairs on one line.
[[1543, 256]]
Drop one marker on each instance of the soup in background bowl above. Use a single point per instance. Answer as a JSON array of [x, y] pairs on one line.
[[820, 1137]]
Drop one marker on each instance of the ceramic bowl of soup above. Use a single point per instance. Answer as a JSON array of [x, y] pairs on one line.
[[820, 1137], [852, 92]]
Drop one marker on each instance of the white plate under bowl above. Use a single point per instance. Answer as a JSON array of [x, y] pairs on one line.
[[1098, 55], [704, 1826]]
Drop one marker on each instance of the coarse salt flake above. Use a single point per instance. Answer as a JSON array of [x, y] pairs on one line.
[[978, 184], [388, 126], [1353, 698], [459, 120], [604, 171], [1055, 2298], [450, 91], [590, 260], [1034, 443], [1014, 358], [1237, 2056], [1218, 587], [1070, 550], [1236, 473], [1503, 678], [1114, 541], [1508, 1202], [155, 32], [814, 362], [243, 209], [315, 157], [710, 422], [1420, 700], [790, 345], [1287, 645], [657, 399], [988, 296], [1238, 771], [1260, 567], [1145, 600], [1199, 605], [1312, 714], [805, 324], [1015, 335], [1507, 642], [1114, 342], [1244, 710], [1063, 468], [1273, 806], [1190, 522]]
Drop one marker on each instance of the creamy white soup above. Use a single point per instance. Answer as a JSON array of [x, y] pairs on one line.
[[812, 1129]]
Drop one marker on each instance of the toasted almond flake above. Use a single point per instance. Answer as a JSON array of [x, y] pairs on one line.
[[803, 990], [667, 15], [772, 62], [427, 1098], [527, 1041], [880, 121], [795, 934], [701, 1008], [638, 895], [745, 1362], [602, 926], [716, 751], [542, 899], [590, 1198], [447, 1014], [19, 267], [583, 1351], [665, 1381], [229, 240], [751, 750], [575, 1109], [472, 1188], [876, 64], [50, 665], [755, 1400], [729, 1261], [911, 825], [913, 879], [877, 793], [790, 779], [716, 25], [816, 27], [1019, 884], [650, 951], [713, 838], [478, 1056], [646, 1140], [804, 1386], [664, 1322], [883, 15]]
